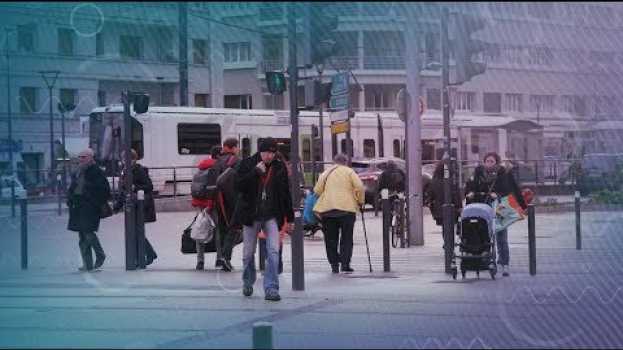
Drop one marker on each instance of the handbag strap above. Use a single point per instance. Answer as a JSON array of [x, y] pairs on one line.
[[191, 224], [327, 177]]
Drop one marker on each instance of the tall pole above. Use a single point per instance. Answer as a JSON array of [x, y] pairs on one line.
[[298, 266], [53, 75], [10, 120], [130, 213], [413, 126], [321, 123], [448, 208], [183, 61]]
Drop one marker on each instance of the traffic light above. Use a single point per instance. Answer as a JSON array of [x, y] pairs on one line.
[[465, 47], [276, 82], [321, 39]]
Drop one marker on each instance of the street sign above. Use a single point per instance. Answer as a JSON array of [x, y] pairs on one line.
[[338, 116], [339, 102], [340, 84], [340, 127]]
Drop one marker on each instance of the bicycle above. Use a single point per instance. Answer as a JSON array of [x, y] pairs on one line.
[[399, 221]]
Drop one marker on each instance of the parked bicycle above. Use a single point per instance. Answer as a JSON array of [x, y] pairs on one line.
[[399, 220]]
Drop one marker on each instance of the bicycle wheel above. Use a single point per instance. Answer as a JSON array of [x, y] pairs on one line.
[[394, 232]]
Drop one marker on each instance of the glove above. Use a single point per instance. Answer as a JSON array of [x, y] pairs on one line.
[[261, 167]]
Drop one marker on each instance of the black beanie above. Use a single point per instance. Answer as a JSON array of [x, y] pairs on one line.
[[268, 145]]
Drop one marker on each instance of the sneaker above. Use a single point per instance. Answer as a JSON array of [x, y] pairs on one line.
[[226, 264], [505, 271], [199, 265], [247, 291], [272, 296], [347, 269], [335, 268], [219, 263], [99, 262]]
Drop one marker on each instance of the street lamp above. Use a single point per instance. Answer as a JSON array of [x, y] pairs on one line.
[[62, 109], [50, 77], [10, 118]]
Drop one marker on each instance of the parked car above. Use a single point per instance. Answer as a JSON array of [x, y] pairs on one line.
[[369, 170], [5, 186], [601, 171]]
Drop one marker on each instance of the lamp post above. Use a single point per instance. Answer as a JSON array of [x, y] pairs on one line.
[[62, 109], [320, 69], [50, 77], [10, 119]]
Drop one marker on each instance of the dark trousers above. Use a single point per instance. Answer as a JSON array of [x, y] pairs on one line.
[[89, 242], [226, 240], [339, 230], [150, 253]]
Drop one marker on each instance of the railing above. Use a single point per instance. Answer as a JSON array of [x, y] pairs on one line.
[[271, 65], [344, 62], [383, 62]]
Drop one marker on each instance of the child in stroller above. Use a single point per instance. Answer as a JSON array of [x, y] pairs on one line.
[[477, 239], [311, 224]]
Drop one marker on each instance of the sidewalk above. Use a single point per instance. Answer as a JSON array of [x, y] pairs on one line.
[[574, 300]]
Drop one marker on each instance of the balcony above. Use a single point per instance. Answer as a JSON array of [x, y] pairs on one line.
[[271, 66], [384, 62], [344, 62]]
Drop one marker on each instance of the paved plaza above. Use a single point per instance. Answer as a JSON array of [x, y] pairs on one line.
[[575, 300]]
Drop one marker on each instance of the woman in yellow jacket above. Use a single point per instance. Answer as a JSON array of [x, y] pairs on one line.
[[340, 195]]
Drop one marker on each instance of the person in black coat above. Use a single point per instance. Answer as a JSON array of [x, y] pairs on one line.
[[492, 180], [437, 196], [264, 203], [88, 193], [141, 182]]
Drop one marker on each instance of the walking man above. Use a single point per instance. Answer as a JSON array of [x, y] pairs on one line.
[[264, 204], [88, 193]]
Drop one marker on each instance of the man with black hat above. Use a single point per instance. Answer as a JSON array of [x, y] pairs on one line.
[[264, 203]]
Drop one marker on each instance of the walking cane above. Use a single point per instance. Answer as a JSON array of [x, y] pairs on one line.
[[363, 221]]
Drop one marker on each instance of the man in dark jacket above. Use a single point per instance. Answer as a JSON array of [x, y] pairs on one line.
[[87, 194], [141, 182], [264, 203]]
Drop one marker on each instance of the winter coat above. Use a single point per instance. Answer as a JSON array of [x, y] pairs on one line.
[[199, 202], [343, 190], [504, 185], [85, 209], [142, 182], [248, 188], [227, 188]]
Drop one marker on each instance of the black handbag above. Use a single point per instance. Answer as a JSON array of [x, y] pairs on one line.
[[188, 244]]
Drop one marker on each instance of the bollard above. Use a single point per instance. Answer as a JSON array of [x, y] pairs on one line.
[[130, 231], [448, 235], [531, 239], [262, 335], [387, 217], [58, 194], [24, 233], [578, 223], [140, 229], [174, 183]]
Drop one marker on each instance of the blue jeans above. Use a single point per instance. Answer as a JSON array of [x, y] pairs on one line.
[[271, 274], [503, 251]]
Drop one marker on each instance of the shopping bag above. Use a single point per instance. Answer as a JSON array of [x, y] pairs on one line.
[[309, 218], [507, 212], [203, 228], [188, 245]]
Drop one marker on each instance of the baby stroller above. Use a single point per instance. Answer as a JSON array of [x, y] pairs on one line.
[[477, 240]]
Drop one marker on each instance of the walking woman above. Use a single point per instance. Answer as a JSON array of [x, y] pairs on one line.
[[493, 179]]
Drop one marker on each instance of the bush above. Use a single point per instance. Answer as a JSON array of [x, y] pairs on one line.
[[608, 197]]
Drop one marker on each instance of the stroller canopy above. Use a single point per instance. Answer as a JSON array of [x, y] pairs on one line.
[[480, 210]]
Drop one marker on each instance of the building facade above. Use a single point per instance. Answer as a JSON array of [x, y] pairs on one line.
[[557, 64]]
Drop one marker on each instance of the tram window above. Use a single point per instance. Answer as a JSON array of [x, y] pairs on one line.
[[197, 138], [246, 147], [369, 148], [306, 150], [343, 147], [396, 148]]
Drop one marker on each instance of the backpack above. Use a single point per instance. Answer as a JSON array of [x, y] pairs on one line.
[[203, 185]]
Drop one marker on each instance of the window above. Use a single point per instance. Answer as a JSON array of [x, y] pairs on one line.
[[65, 41], [27, 99], [433, 51], [197, 138], [512, 102], [131, 47], [492, 54], [464, 101], [433, 99], [239, 101], [273, 101], [68, 96], [237, 52], [544, 103], [200, 51], [492, 102], [306, 150], [343, 147], [540, 56], [26, 38], [101, 98], [137, 138], [202, 100], [99, 44], [369, 148], [574, 105], [396, 148]]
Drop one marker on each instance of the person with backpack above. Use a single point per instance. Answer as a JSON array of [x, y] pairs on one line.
[[141, 182], [201, 199], [264, 204]]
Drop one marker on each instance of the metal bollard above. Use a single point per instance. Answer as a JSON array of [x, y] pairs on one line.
[[262, 335], [24, 233], [578, 223], [130, 231], [531, 239], [140, 229], [387, 217], [448, 235], [58, 193]]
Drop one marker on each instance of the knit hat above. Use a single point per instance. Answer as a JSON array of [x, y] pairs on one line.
[[268, 145]]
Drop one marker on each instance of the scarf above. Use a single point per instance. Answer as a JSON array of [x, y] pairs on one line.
[[491, 174]]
